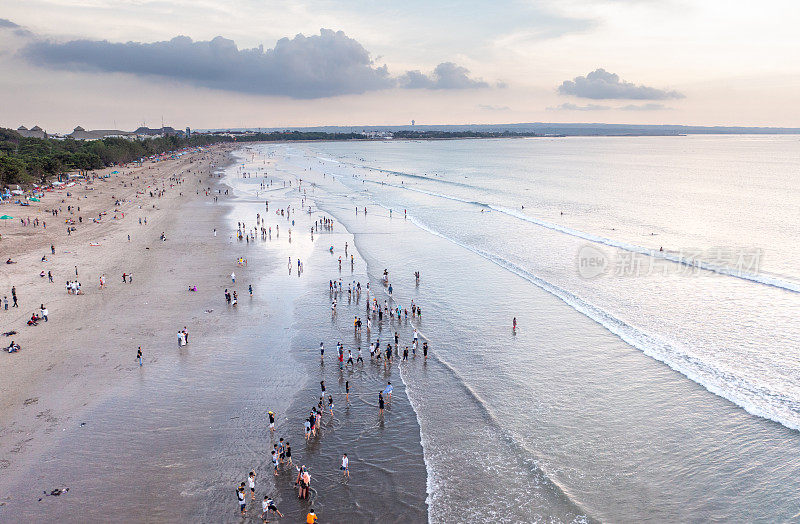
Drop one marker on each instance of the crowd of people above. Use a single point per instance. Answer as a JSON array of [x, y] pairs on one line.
[[377, 317]]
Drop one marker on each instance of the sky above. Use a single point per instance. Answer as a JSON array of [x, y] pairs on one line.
[[118, 64]]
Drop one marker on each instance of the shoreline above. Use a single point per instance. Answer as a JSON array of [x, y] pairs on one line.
[[172, 437]]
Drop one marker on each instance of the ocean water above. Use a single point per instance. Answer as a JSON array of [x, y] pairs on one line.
[[654, 374]]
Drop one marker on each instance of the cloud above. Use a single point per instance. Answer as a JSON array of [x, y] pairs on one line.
[[446, 75], [323, 65], [489, 107], [574, 107], [304, 67], [645, 107], [18, 29], [602, 85]]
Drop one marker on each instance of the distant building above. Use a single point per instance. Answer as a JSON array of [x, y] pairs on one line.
[[154, 132], [34, 132], [80, 133]]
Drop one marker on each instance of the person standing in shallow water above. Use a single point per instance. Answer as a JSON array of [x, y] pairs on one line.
[[311, 518]]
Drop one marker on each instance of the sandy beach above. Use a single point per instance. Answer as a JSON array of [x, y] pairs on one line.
[[87, 347], [170, 439]]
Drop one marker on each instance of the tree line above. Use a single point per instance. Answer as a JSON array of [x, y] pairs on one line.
[[27, 160]]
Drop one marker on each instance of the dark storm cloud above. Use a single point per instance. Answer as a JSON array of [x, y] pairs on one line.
[[602, 85], [317, 66], [446, 75]]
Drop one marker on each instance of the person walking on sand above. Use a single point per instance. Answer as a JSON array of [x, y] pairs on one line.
[[242, 499], [5, 302], [102, 281], [14, 296], [345, 466], [251, 481], [139, 355], [233, 277], [514, 326]]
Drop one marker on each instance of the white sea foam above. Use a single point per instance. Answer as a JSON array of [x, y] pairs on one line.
[[759, 278], [756, 399]]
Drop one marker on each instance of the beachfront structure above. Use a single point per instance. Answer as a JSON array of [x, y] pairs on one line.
[[34, 132], [80, 133], [154, 132]]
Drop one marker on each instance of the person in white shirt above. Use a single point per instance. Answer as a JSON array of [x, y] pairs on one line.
[[251, 481], [242, 500], [268, 506], [345, 466]]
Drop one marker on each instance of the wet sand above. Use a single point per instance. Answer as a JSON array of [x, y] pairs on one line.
[[170, 440]]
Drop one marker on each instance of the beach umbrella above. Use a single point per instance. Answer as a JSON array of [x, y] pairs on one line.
[[6, 217], [34, 199]]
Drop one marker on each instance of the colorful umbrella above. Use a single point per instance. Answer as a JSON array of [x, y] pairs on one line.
[[6, 217]]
